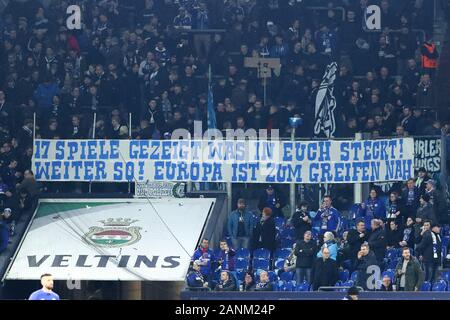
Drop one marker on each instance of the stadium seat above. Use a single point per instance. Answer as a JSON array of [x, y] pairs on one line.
[[281, 254], [261, 264], [391, 253], [287, 276], [261, 254], [242, 265], [288, 286], [242, 254], [393, 263], [354, 276], [279, 264], [446, 276], [304, 286], [344, 275], [272, 276], [426, 286], [241, 274], [338, 284], [439, 285], [216, 255], [279, 222], [287, 243], [288, 233], [388, 273]]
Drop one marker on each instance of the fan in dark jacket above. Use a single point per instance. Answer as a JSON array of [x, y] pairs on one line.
[[439, 202], [249, 283], [356, 237], [430, 249], [425, 210], [395, 209], [410, 197], [377, 240], [365, 260], [325, 271], [386, 284], [226, 282], [301, 220], [394, 235], [305, 250], [272, 199], [264, 283], [409, 277], [264, 232]]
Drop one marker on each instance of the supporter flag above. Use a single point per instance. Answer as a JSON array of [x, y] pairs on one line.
[[211, 112], [325, 106]]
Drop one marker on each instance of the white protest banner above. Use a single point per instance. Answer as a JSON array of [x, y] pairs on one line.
[[246, 161]]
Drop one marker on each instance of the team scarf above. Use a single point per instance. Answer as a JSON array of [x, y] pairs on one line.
[[435, 244]]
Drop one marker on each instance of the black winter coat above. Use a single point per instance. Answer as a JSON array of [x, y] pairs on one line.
[[305, 252], [377, 243], [324, 273], [264, 235]]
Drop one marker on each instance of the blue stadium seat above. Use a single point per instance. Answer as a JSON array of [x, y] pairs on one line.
[[393, 263], [279, 222], [242, 265], [446, 276], [338, 284], [354, 210], [241, 274], [261, 264], [439, 285], [347, 264], [272, 276], [287, 243], [281, 254], [391, 253], [388, 273], [354, 276], [304, 286], [279, 264], [288, 286], [344, 275], [287, 276], [261, 253], [242, 254], [288, 233], [426, 286], [216, 255], [445, 241]]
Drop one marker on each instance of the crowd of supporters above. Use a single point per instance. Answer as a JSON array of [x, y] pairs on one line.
[[399, 242]]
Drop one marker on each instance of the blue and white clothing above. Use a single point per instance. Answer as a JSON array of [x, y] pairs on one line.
[[329, 218], [43, 295]]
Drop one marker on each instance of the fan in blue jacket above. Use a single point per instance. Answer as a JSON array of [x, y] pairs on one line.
[[204, 256], [195, 279], [240, 225], [329, 243], [329, 216], [372, 208]]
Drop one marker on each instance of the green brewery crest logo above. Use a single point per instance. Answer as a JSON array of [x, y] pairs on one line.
[[115, 233]]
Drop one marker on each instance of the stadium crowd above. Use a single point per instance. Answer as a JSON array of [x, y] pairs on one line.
[[395, 243], [150, 59]]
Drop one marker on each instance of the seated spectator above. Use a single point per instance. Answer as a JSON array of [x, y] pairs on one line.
[[394, 235], [226, 258], [325, 271], [272, 199], [240, 225], [408, 274], [264, 283], [301, 220], [366, 260], [195, 278], [386, 284], [249, 283], [264, 233], [330, 243], [290, 262], [305, 251], [204, 256], [329, 216], [226, 282]]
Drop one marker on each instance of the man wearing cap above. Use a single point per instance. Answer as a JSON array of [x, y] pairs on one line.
[[429, 251], [438, 201], [272, 199], [240, 225]]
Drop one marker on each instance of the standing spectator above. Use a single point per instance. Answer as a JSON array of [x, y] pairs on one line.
[[422, 178], [394, 235], [240, 225], [325, 271], [290, 262], [425, 211], [264, 283], [305, 251], [356, 237], [44, 95], [394, 210], [372, 208], [205, 257], [301, 220], [430, 251], [410, 196], [438, 201], [425, 93], [328, 216], [264, 232], [409, 275], [408, 239], [377, 240], [29, 184], [4, 229], [272, 199], [226, 282], [366, 259], [429, 56], [226, 258], [330, 243]]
